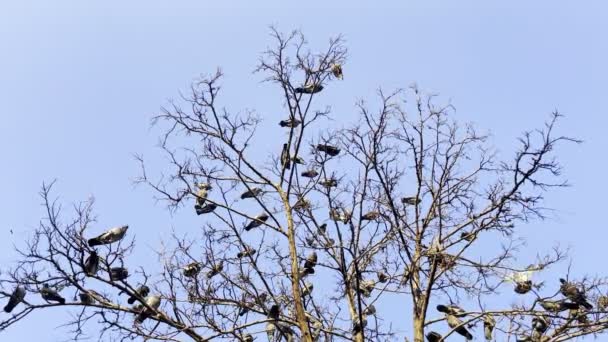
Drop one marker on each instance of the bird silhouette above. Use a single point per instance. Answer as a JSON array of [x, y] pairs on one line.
[[154, 303], [336, 70], [118, 273], [410, 200], [215, 270], [291, 123], [251, 193], [309, 174], [370, 216], [572, 292], [206, 209], [201, 194], [91, 264], [110, 236], [310, 88], [192, 269], [248, 251], [285, 159], [433, 337], [141, 291], [328, 149], [16, 297], [488, 326], [51, 295], [257, 221]]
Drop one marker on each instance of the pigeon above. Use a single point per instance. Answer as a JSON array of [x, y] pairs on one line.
[[557, 306], [323, 228], [540, 323], [370, 216], [247, 338], [602, 302], [328, 149], [330, 243], [110, 236], [192, 269], [523, 287], [274, 312], [366, 287], [316, 330], [286, 331], [243, 309], [16, 297], [141, 291], [336, 215], [154, 303], [257, 221], [309, 174], [118, 273], [86, 298], [285, 159], [304, 272], [251, 193], [206, 209], [215, 270], [298, 160], [307, 290], [201, 194], [467, 236], [382, 276], [301, 204], [51, 295], [572, 292], [433, 337], [410, 200], [91, 264], [329, 183], [311, 260], [369, 310], [270, 331], [309, 89], [336, 70], [451, 310], [291, 123], [488, 326], [457, 324], [358, 326], [248, 251]]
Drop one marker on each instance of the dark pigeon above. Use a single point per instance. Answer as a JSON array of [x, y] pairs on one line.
[[16, 297], [110, 236], [91, 264]]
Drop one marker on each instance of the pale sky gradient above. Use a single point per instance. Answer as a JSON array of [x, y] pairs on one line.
[[80, 80]]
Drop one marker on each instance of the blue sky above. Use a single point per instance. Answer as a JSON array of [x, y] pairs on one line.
[[79, 82]]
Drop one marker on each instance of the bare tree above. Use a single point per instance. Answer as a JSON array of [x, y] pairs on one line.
[[301, 240]]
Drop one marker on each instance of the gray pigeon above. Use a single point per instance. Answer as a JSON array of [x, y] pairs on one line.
[[215, 270], [410, 200], [86, 298], [311, 88], [206, 209], [572, 292], [192, 269], [336, 70], [118, 273], [16, 297], [291, 123], [91, 264], [251, 193], [142, 291], [285, 160], [328, 149], [310, 174], [248, 251], [488, 326], [201, 194], [110, 236], [51, 295], [154, 303], [457, 324], [257, 221], [433, 337]]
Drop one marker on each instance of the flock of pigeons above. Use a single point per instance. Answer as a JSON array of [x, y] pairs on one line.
[[574, 300]]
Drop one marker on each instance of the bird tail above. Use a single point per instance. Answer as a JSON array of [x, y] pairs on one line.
[[94, 242], [9, 307], [61, 300], [131, 300], [283, 124], [587, 305]]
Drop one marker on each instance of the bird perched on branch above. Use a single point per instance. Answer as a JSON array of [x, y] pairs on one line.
[[328, 149], [91, 264], [410, 200], [557, 305], [336, 70], [369, 310], [110, 236], [285, 159], [215, 270], [433, 337], [118, 273], [572, 292], [251, 193], [201, 193], [206, 209], [141, 291], [86, 298], [370, 216], [310, 88], [488, 326], [452, 313], [16, 297], [248, 251], [366, 287], [154, 303], [257, 221], [192, 269], [301, 204], [329, 183], [290, 123], [309, 174], [51, 295]]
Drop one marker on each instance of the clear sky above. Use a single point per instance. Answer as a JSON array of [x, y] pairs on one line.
[[80, 80]]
